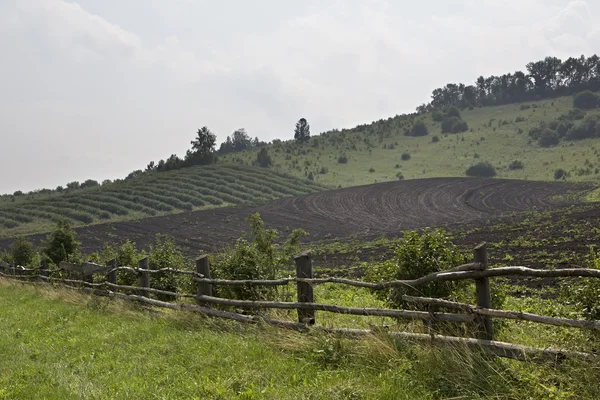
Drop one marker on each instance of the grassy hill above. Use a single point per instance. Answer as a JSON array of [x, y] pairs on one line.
[[157, 194], [377, 152], [374, 152]]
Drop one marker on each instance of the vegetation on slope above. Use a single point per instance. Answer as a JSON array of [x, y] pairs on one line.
[[149, 195]]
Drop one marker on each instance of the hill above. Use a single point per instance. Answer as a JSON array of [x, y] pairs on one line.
[[381, 151], [188, 189], [543, 140]]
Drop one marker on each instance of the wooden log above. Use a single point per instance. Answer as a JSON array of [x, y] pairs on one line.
[[306, 294], [144, 276], [203, 269], [111, 275], [484, 297], [375, 312], [506, 314]]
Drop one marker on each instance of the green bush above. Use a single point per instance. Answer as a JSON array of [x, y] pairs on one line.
[[516, 164], [405, 156], [586, 100], [454, 125], [418, 129], [560, 174], [22, 252], [164, 254], [482, 169], [256, 255], [435, 139], [418, 255], [61, 243], [548, 138], [343, 159], [589, 128]]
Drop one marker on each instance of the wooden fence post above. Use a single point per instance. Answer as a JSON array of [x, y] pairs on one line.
[[203, 268], [111, 276], [44, 270], [144, 276], [12, 268], [304, 269], [484, 298], [87, 277]]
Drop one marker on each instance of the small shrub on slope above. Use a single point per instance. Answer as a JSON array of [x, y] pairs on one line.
[[482, 169], [418, 255]]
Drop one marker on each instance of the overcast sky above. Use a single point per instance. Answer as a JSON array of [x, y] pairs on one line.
[[98, 88]]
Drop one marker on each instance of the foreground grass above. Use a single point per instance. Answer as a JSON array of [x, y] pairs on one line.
[[58, 344]]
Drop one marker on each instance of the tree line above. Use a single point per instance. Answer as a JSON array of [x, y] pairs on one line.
[[550, 77]]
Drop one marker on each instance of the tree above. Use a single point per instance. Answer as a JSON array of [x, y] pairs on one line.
[[61, 243], [73, 185], [263, 158], [89, 183], [586, 100], [203, 149], [302, 131], [22, 252]]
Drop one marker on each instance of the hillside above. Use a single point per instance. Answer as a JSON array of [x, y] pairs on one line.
[[374, 152], [194, 188], [382, 151]]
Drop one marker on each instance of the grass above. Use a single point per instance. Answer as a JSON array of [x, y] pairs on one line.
[[159, 194], [59, 344], [379, 146]]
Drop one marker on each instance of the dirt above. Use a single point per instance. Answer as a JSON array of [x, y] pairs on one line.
[[357, 212]]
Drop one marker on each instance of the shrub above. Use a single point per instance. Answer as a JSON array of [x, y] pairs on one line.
[[520, 119], [263, 158], [482, 169], [371, 169], [587, 129], [405, 157], [256, 255], [452, 112], [418, 129], [310, 176], [22, 252], [548, 138], [61, 242], [454, 125], [400, 176], [435, 139], [418, 255], [343, 159], [164, 254], [323, 170], [525, 107], [516, 164], [560, 174], [586, 100]]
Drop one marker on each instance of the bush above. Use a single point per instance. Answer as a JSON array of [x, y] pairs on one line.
[[263, 158], [548, 138], [61, 242], [560, 174], [516, 164], [400, 176], [435, 139], [405, 157], [454, 125], [418, 129], [453, 112], [520, 119], [256, 255], [371, 169], [22, 252], [482, 169], [587, 129], [310, 176], [164, 254], [418, 255], [586, 100], [343, 159], [525, 107]]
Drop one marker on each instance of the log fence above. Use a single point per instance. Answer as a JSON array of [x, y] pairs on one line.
[[480, 315]]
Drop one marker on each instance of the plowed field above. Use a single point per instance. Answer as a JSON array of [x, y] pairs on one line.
[[363, 211]]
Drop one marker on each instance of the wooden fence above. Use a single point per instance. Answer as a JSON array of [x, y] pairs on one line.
[[479, 315]]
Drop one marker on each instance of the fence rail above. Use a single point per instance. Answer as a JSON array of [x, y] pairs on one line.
[[479, 315]]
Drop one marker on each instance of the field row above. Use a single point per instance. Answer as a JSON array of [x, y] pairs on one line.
[[184, 190]]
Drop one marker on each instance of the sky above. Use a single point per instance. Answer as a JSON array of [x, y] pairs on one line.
[[94, 89]]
